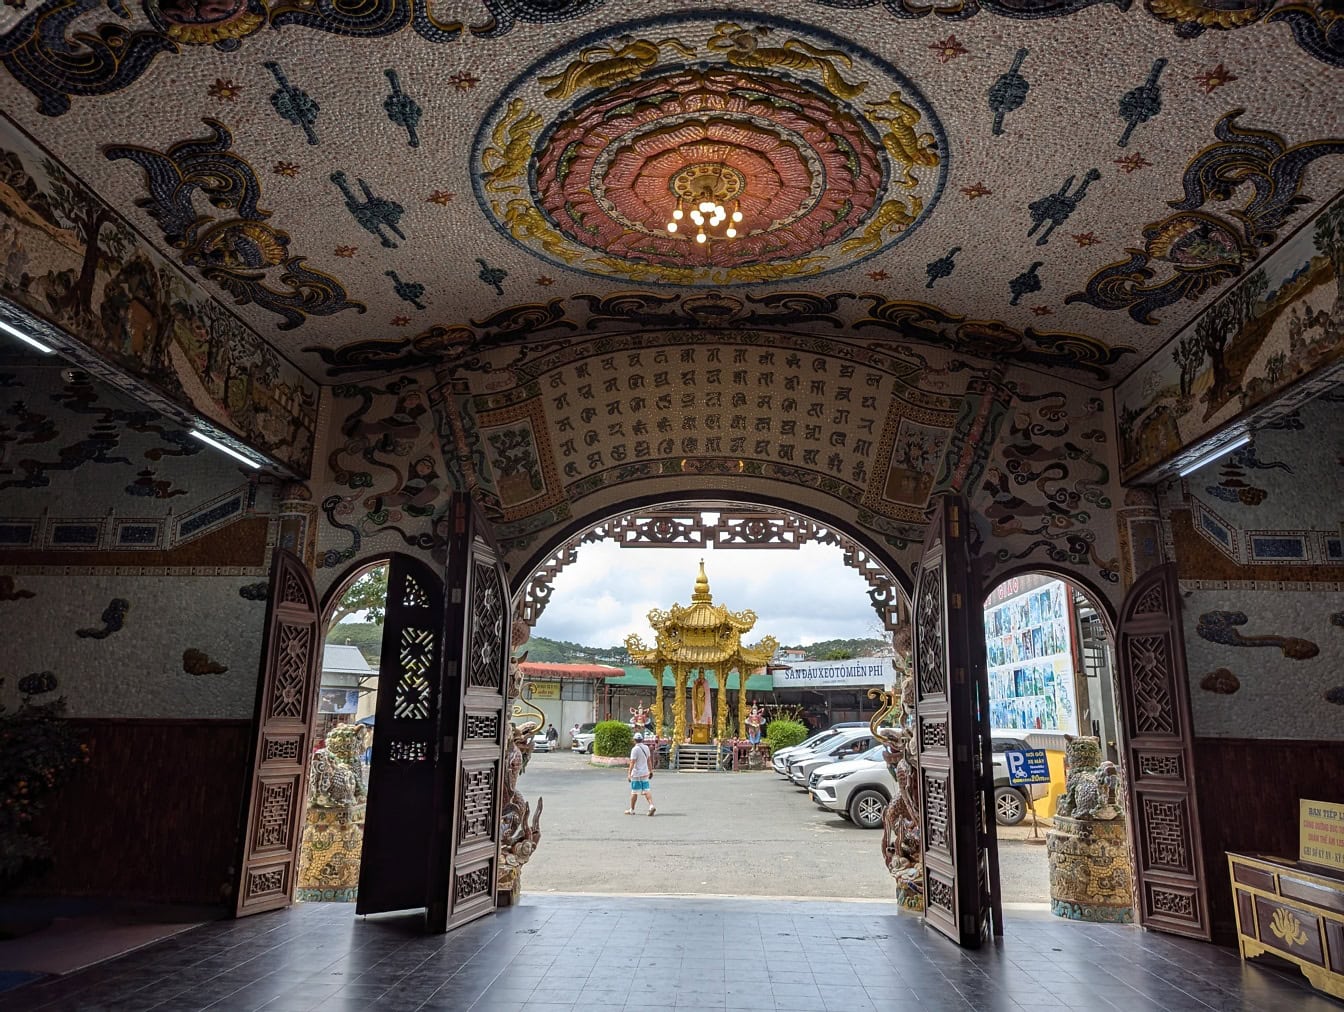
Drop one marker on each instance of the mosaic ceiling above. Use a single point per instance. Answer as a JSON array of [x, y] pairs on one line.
[[376, 186]]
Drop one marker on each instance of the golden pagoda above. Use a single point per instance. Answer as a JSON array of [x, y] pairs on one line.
[[704, 637]]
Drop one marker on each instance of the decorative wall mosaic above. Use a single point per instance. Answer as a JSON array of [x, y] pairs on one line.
[[72, 260], [102, 581], [1283, 321], [1263, 594]]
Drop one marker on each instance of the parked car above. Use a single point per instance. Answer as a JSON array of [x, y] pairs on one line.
[[857, 788], [849, 743], [583, 739], [779, 759], [860, 788], [540, 743]]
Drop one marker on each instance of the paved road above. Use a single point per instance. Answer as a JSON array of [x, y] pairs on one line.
[[741, 834]]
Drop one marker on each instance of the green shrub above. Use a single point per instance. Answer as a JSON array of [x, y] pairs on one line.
[[613, 737], [784, 733]]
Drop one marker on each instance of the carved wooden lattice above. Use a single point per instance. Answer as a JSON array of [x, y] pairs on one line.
[[408, 751], [414, 595], [487, 618], [478, 804], [1155, 709], [934, 797], [483, 726], [933, 734], [473, 884], [930, 631], [285, 708], [276, 815], [941, 893], [414, 688]]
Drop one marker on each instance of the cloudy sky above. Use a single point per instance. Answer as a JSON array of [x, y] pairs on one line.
[[799, 596]]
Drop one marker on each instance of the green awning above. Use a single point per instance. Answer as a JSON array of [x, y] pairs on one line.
[[636, 677]]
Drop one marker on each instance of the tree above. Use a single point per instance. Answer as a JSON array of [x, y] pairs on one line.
[[838, 655], [367, 594], [1188, 354], [1253, 290], [88, 216]]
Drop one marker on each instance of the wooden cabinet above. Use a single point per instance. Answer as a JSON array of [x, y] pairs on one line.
[[1294, 911]]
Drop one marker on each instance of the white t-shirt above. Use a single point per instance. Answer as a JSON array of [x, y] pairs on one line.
[[639, 755]]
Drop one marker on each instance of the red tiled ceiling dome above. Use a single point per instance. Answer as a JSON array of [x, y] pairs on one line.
[[827, 152]]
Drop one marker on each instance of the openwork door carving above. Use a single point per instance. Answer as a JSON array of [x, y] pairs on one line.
[[1155, 705], [476, 641], [961, 873], [286, 702], [394, 865]]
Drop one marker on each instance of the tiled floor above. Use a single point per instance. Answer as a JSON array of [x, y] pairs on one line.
[[602, 953]]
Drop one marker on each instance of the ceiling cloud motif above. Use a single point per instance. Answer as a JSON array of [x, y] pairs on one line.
[[830, 155]]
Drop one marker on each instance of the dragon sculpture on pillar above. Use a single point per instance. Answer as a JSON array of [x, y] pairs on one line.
[[518, 835], [902, 835]]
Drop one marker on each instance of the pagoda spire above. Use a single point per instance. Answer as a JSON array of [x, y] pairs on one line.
[[701, 592]]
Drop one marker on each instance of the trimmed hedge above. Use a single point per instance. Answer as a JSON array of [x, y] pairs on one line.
[[784, 733], [613, 738]]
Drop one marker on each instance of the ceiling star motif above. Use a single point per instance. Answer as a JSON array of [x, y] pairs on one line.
[[828, 152]]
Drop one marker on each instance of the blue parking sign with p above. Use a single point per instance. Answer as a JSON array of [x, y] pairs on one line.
[[1027, 766]]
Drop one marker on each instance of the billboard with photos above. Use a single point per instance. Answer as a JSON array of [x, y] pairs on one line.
[[1030, 657]]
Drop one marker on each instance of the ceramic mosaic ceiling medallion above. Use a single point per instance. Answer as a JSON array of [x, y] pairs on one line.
[[828, 152]]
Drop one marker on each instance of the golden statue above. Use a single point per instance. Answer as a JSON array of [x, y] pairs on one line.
[[743, 49], [605, 66], [510, 148], [903, 144]]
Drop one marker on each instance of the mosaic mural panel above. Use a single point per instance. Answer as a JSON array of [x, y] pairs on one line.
[[1284, 320], [69, 258]]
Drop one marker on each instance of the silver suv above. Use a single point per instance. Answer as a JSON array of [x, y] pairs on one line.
[[583, 738], [846, 745]]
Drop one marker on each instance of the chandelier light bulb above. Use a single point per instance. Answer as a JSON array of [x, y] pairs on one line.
[[700, 237], [731, 233], [677, 215], [671, 226], [706, 206], [737, 216], [697, 217]]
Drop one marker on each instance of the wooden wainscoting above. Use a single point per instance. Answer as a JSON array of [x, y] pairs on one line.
[[153, 816], [1248, 802]]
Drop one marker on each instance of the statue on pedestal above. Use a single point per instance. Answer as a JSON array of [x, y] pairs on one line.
[[334, 822], [1087, 848], [755, 723], [702, 710]]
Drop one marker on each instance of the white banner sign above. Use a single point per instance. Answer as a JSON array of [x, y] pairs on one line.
[[873, 671]]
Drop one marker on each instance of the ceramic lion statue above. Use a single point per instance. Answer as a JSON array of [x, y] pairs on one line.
[[1091, 786]]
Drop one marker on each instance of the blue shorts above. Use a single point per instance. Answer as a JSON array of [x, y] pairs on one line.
[[638, 785]]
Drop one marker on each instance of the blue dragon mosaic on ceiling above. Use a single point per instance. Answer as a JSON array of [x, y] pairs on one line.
[[56, 62]]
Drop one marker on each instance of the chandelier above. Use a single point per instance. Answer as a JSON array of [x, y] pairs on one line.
[[705, 192]]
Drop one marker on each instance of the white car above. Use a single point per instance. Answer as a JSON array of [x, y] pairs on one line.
[[860, 788], [849, 743], [540, 743], [857, 788], [779, 760], [582, 740]]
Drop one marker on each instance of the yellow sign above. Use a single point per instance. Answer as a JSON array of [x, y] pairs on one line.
[[1322, 833], [543, 690]]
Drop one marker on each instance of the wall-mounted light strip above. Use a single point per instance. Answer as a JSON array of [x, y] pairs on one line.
[[34, 342], [1213, 455], [211, 441]]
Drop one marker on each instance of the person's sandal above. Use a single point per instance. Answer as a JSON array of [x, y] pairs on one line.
[[652, 810], [629, 811]]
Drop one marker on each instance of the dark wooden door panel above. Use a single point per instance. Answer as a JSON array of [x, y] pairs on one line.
[[1159, 747], [961, 887], [398, 824], [287, 685]]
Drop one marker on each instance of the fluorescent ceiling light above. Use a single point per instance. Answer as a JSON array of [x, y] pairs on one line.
[[26, 339], [1213, 455], [210, 441]]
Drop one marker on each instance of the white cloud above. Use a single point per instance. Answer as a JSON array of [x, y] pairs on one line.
[[799, 596]]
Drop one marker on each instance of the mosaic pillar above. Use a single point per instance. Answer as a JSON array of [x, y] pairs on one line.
[[329, 855], [721, 705], [1089, 870], [657, 708], [1140, 533], [741, 703], [297, 522]]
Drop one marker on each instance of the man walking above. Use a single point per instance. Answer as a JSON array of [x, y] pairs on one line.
[[639, 773]]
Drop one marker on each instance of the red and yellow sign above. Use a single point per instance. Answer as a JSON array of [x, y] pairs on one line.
[[1321, 827]]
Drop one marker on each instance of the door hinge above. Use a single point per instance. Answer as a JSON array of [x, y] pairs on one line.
[[956, 601], [449, 744], [450, 669], [963, 754], [959, 675], [456, 595]]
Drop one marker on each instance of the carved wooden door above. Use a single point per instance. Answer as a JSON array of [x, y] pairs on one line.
[[473, 726], [961, 887], [398, 823], [1155, 707], [291, 661]]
